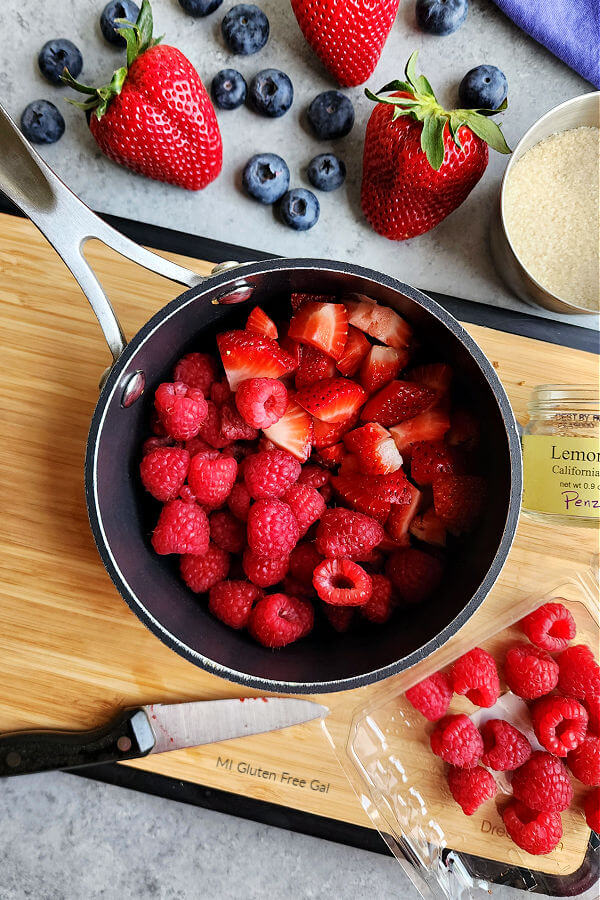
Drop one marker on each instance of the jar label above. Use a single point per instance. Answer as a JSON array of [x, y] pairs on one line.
[[561, 475]]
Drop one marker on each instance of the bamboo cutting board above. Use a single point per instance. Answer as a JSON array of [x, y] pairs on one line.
[[71, 652]]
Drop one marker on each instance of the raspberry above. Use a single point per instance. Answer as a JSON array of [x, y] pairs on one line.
[[530, 672], [272, 528], [471, 787], [294, 588], [379, 606], [227, 532], [579, 674], [163, 472], [342, 532], [314, 475], [504, 747], [154, 442], [543, 783], [210, 429], [535, 832], [212, 479], [476, 676], [198, 445], [278, 620], [233, 427], [269, 473], [339, 617], [559, 723], [432, 696], [264, 571], [200, 573], [592, 704], [197, 370], [584, 761], [239, 452], [220, 392], [326, 492], [156, 426], [549, 627], [414, 574], [591, 807], [306, 503], [239, 501], [181, 528], [232, 602], [456, 740], [187, 494], [304, 559], [181, 409], [261, 401], [342, 582]]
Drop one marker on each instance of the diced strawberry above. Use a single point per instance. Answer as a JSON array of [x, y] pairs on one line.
[[325, 434], [437, 376], [314, 366], [380, 322], [349, 465], [332, 456], [394, 487], [374, 448], [464, 429], [299, 299], [401, 515], [260, 323], [428, 528], [293, 348], [459, 500], [380, 366], [247, 355], [293, 432], [357, 492], [357, 347], [397, 401], [332, 400], [432, 458], [322, 325], [430, 425]]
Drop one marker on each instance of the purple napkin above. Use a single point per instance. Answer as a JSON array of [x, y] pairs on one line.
[[568, 28]]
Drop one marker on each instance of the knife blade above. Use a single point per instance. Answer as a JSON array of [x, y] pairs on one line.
[[156, 728]]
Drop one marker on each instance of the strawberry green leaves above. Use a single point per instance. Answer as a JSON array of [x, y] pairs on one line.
[[138, 35]]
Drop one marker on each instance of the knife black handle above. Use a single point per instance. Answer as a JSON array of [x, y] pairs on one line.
[[128, 736]]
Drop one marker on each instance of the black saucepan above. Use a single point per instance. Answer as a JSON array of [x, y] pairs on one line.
[[122, 515]]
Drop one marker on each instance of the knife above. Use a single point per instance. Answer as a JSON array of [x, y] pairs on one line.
[[157, 728]]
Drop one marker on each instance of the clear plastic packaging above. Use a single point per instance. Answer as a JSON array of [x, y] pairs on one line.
[[402, 786]]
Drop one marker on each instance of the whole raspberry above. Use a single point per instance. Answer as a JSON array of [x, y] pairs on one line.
[[200, 573], [232, 602], [261, 401], [432, 696], [269, 473], [198, 445], [550, 627], [239, 450], [339, 617], [212, 479], [476, 676], [560, 723], [181, 528], [592, 704], [579, 674], [220, 392], [306, 503], [154, 442], [156, 426], [163, 472], [342, 582], [342, 532], [239, 501], [294, 588], [197, 370], [584, 761], [530, 672], [504, 747], [210, 429], [233, 426], [379, 607], [264, 571], [278, 620], [181, 409], [471, 787], [304, 559], [187, 494], [326, 492], [414, 574], [456, 740], [536, 832], [315, 476], [227, 532], [272, 528], [591, 807], [543, 783]]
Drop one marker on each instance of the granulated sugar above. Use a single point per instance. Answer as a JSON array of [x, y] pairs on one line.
[[551, 209]]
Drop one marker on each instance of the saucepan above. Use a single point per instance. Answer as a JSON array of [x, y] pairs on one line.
[[120, 514]]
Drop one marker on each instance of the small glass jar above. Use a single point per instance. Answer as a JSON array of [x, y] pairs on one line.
[[561, 454]]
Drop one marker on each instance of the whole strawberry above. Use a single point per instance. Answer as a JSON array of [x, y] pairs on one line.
[[420, 162], [155, 116]]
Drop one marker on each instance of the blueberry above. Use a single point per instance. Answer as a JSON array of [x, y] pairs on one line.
[[299, 209], [245, 29], [441, 16], [331, 115], [228, 89], [326, 172], [198, 8], [117, 9], [271, 93], [266, 177], [57, 55], [484, 87], [42, 123]]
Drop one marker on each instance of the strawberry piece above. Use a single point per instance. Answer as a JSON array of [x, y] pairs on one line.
[[322, 325], [357, 493], [349, 465], [429, 528], [397, 401], [314, 366], [356, 348], [430, 425], [414, 574], [374, 448], [380, 366], [246, 355], [459, 500], [437, 376], [332, 456], [401, 515], [293, 432], [464, 429], [433, 458], [292, 348], [260, 323], [332, 400], [381, 322], [325, 434], [298, 299]]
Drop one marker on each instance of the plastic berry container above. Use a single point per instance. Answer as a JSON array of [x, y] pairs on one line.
[[403, 788]]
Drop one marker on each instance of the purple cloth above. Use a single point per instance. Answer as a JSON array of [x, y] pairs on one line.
[[568, 28]]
